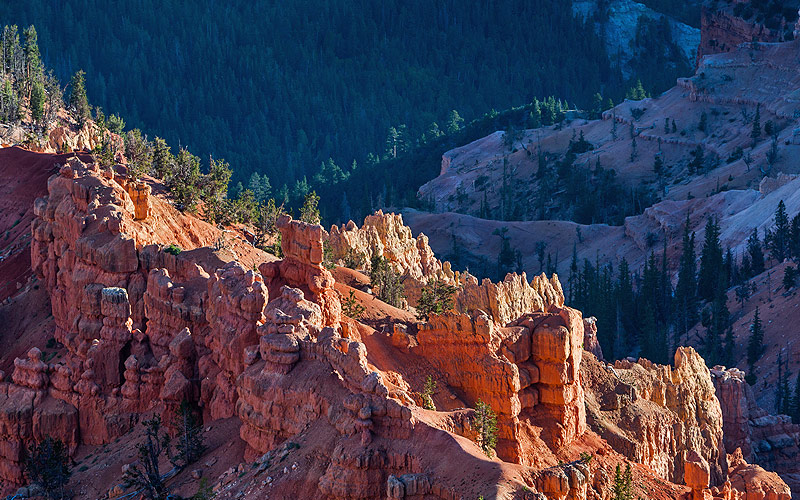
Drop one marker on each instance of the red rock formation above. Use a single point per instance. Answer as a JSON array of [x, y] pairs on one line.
[[509, 299], [144, 330], [722, 31], [655, 414], [753, 482], [140, 196], [751, 431], [385, 235]]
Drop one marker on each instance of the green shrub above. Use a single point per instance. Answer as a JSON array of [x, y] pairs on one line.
[[485, 422], [173, 249]]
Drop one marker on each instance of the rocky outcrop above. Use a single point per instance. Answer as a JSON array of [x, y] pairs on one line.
[[385, 235], [771, 441], [656, 414], [753, 482], [140, 196], [528, 373], [509, 299], [721, 30]]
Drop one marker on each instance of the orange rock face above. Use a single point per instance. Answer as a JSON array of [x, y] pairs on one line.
[[506, 301], [659, 413], [774, 439], [528, 373], [385, 235]]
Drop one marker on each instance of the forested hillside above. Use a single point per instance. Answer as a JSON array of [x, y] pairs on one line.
[[310, 81]]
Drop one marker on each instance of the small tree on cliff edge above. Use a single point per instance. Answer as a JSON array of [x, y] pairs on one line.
[[48, 465], [310, 211], [78, 103], [486, 425], [436, 297]]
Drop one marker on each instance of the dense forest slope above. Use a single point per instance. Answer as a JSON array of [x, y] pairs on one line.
[[317, 81]]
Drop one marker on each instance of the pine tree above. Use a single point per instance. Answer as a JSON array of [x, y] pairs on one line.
[[796, 401], [189, 434], [710, 262], [309, 213], [436, 297], [38, 99], [756, 253], [789, 277], [794, 237], [48, 465], [719, 324], [779, 394], [139, 153], [78, 103], [755, 346], [703, 125], [786, 403], [486, 424], [145, 474], [183, 180], [778, 238], [623, 484], [686, 289], [573, 274], [454, 122], [755, 134], [163, 160], [658, 165], [34, 72]]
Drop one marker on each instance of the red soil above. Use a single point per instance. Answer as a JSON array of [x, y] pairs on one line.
[[23, 178]]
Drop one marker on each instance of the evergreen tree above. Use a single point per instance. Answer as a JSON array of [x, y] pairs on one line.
[[755, 253], [183, 180], [778, 238], [189, 436], [794, 237], [755, 134], [710, 262], [623, 484], [796, 401], [703, 125], [139, 153], [163, 160], [686, 289], [214, 190], [38, 100], [145, 474], [486, 424], [48, 465], [658, 165], [78, 103], [387, 282], [392, 141], [755, 346], [637, 92], [436, 297], [789, 277], [698, 160], [719, 324], [454, 122], [309, 213], [260, 186], [34, 72]]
